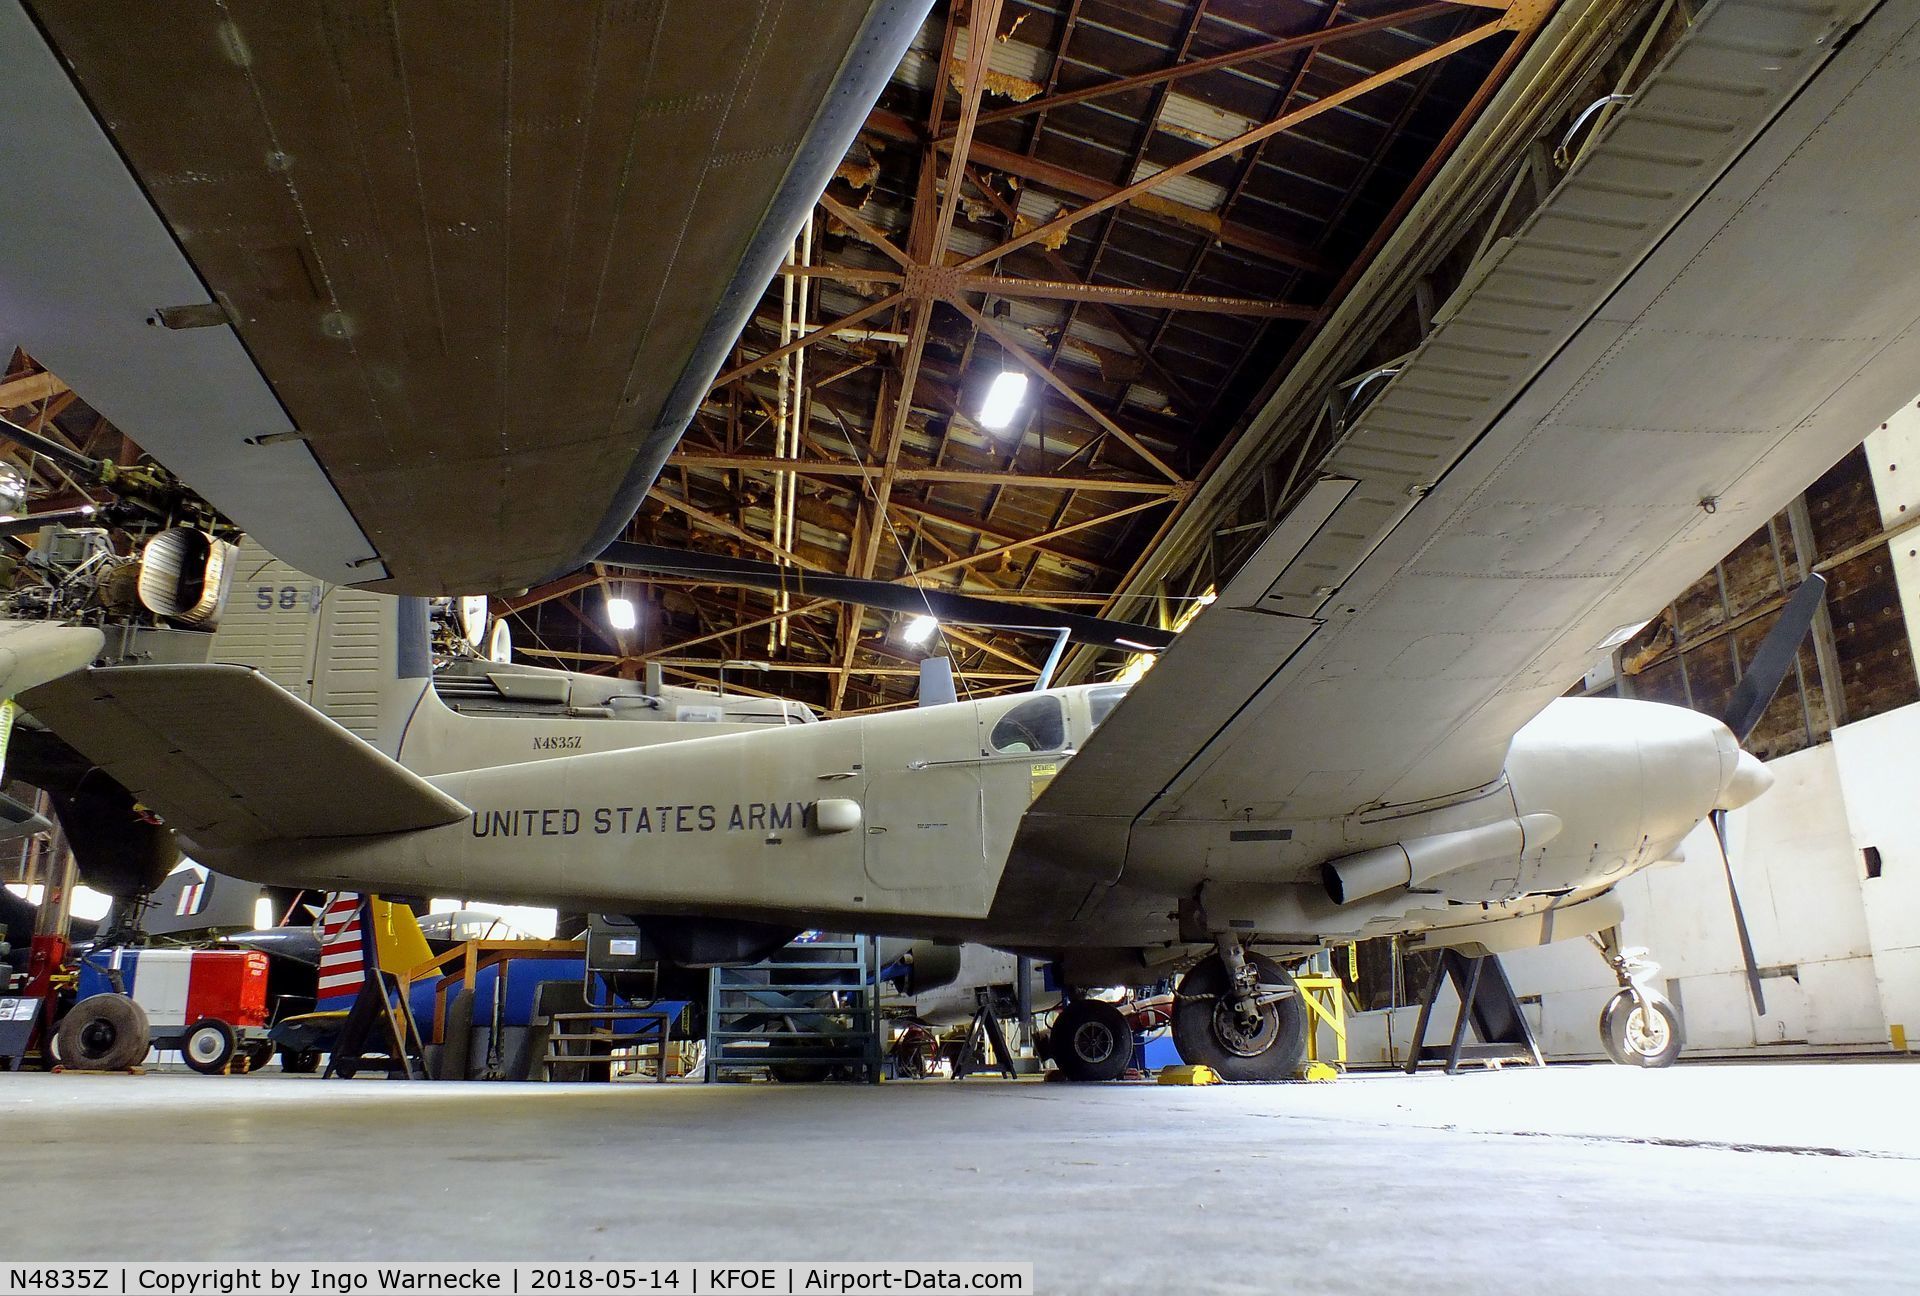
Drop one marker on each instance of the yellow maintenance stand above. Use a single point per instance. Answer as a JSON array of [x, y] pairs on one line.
[[1325, 996], [1326, 1001]]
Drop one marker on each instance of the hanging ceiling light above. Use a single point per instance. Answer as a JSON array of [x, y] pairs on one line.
[[621, 614], [1003, 400], [919, 630]]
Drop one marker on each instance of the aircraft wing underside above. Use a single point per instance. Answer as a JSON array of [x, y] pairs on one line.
[[1713, 306], [420, 295]]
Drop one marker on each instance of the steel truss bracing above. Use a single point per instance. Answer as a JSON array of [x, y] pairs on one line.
[[1141, 222]]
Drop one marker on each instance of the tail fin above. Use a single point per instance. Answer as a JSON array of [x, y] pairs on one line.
[[358, 932], [344, 956], [228, 757], [360, 659]]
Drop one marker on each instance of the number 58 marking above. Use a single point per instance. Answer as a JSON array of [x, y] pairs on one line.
[[286, 597]]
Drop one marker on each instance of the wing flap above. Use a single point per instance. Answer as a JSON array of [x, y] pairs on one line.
[[228, 757]]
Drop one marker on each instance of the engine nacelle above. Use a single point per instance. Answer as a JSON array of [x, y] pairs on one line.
[[1628, 779], [929, 966], [1600, 787]]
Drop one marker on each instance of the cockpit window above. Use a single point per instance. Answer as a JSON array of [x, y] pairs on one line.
[[1102, 701], [1036, 725]]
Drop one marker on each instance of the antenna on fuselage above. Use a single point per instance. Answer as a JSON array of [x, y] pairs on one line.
[[936, 682]]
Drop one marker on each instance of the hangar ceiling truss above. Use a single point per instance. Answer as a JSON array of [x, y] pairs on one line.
[[1144, 209]]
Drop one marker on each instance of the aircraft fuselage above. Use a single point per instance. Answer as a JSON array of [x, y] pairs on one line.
[[907, 823]]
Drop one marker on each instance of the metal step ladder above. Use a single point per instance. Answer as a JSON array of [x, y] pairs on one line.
[[810, 1012], [1488, 1003], [581, 1040]]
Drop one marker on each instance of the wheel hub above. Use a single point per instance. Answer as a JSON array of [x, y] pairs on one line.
[[1647, 1033], [1235, 1036], [1092, 1042], [98, 1037]]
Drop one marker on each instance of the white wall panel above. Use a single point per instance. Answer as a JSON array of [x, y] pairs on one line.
[[1893, 457], [1879, 760]]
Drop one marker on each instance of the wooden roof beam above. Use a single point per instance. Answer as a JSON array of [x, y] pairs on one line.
[[1138, 298], [1072, 183], [947, 476], [1286, 121], [1233, 58], [824, 331]]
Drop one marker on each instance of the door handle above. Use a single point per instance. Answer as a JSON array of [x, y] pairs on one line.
[[840, 774]]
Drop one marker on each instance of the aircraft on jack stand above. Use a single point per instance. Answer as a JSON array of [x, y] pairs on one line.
[[1362, 737]]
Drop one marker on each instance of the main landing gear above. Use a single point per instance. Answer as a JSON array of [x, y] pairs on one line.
[[1236, 1012], [1240, 1014], [1639, 1026]]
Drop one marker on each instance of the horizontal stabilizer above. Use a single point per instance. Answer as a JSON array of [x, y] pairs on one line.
[[33, 652], [228, 757]]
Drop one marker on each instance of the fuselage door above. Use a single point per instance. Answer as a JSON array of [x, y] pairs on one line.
[[923, 807]]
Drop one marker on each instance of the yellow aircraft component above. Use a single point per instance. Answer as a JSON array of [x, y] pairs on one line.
[[1189, 1075], [398, 946]]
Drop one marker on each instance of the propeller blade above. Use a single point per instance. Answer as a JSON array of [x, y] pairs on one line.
[[1739, 916], [960, 609], [1775, 658], [84, 516], [41, 445]]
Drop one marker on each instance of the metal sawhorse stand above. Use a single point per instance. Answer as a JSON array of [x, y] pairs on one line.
[[1488, 1002]]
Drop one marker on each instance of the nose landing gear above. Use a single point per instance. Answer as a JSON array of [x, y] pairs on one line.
[[1639, 1026], [1241, 1015]]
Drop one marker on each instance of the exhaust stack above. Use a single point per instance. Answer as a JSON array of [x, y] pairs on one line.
[[1421, 859]]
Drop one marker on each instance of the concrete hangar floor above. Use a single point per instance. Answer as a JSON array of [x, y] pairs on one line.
[[1703, 1178]]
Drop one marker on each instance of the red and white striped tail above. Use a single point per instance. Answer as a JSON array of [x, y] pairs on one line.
[[343, 951]]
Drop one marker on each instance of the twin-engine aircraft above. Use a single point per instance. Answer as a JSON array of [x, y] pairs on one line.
[[1363, 736], [727, 830]]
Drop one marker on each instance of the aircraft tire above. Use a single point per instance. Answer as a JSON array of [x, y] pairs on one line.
[[1091, 1041], [208, 1046], [1631, 1041], [299, 1061], [1206, 1032], [104, 1032]]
